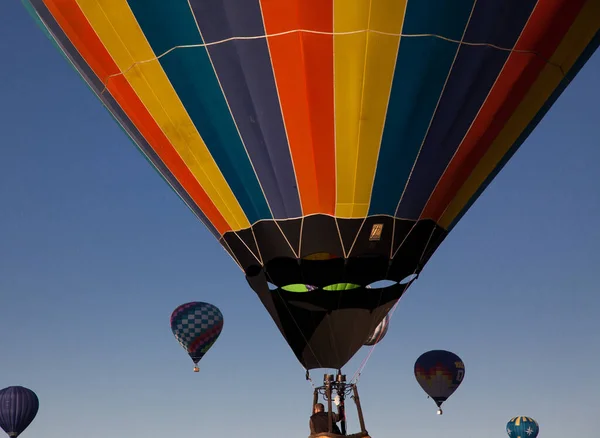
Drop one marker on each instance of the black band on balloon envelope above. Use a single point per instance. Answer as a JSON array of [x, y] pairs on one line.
[[358, 250], [326, 327]]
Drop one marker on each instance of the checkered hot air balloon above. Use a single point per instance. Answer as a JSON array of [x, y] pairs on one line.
[[439, 373], [522, 427], [196, 327]]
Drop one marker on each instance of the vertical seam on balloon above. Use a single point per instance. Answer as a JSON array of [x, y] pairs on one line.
[[261, 261], [477, 115], [232, 215], [231, 253], [335, 181], [337, 226], [362, 224], [383, 126], [285, 130], [284, 237], [274, 221], [424, 248], [230, 112], [362, 94], [281, 109], [278, 185], [301, 237], [436, 107], [388, 99], [381, 135], [243, 143], [247, 247], [360, 124]]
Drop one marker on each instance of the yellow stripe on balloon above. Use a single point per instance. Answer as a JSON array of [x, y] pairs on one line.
[[580, 34], [364, 65], [123, 38]]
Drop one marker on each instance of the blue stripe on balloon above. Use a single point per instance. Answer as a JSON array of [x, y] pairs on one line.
[[473, 75], [245, 72], [421, 70]]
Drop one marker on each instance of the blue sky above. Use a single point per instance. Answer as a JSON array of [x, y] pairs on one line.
[[97, 251]]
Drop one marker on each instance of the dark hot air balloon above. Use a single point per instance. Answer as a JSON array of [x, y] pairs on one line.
[[522, 427], [18, 408], [196, 327], [439, 373], [326, 142]]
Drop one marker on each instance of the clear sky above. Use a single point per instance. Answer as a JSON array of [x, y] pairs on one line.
[[96, 251]]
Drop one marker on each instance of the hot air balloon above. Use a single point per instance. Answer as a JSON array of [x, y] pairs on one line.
[[379, 332], [439, 373], [196, 327], [18, 408], [522, 427], [326, 142]]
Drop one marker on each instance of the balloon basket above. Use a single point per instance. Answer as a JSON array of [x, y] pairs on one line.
[[335, 389]]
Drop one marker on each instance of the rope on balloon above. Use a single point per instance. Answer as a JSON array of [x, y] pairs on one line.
[[415, 273], [354, 32]]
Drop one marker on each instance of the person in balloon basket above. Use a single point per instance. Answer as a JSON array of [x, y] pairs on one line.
[[319, 421]]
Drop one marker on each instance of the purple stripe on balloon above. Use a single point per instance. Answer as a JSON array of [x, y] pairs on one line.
[[475, 71], [245, 73]]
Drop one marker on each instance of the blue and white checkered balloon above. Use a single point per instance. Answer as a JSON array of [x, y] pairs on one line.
[[196, 327]]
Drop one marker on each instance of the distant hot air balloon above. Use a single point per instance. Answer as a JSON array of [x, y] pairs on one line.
[[18, 408], [326, 142], [439, 373], [522, 427], [379, 332], [196, 327]]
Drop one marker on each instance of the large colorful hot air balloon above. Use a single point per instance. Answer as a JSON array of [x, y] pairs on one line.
[[196, 327], [18, 408], [439, 373], [522, 427], [326, 142]]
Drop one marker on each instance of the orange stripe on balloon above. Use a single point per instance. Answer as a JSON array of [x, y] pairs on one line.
[[79, 31], [303, 68], [546, 27]]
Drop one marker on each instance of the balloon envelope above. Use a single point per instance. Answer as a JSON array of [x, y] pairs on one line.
[[341, 149], [522, 427], [439, 373], [18, 408], [196, 326]]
